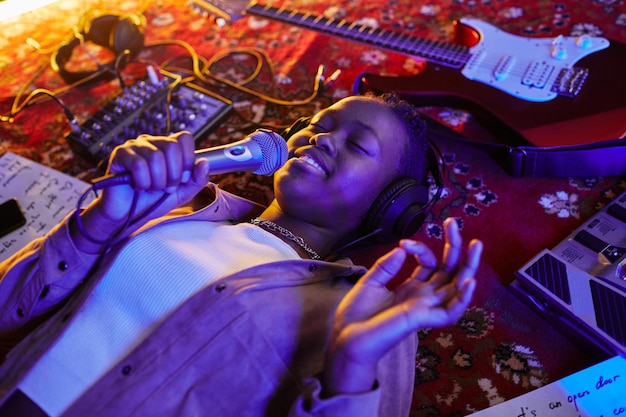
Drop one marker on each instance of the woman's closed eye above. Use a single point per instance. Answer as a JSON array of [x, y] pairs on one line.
[[317, 127], [358, 146]]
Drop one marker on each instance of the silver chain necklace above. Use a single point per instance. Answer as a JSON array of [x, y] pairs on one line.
[[271, 226]]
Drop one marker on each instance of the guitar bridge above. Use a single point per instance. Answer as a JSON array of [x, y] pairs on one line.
[[570, 81]]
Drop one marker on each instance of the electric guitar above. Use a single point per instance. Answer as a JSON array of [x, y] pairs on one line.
[[541, 91]]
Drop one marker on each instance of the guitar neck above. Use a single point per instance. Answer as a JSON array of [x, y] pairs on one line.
[[455, 56]]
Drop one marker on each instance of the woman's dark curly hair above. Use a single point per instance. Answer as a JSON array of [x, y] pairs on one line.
[[414, 158]]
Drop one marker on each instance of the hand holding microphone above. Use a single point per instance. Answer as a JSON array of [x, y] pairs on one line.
[[262, 152], [149, 176]]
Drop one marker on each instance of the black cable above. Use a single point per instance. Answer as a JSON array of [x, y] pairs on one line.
[[42, 91], [118, 65], [130, 220]]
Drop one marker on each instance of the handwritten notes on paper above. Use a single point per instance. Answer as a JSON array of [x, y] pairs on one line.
[[598, 391], [45, 195]]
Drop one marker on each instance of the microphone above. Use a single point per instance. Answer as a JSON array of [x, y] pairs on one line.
[[262, 152]]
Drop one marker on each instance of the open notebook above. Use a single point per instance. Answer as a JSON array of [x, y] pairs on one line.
[[45, 196], [581, 282]]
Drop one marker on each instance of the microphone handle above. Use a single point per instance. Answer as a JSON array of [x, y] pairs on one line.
[[245, 155]]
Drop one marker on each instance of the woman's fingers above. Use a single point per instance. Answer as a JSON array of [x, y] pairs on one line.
[[156, 163], [188, 145], [390, 326], [446, 279], [453, 246], [154, 176], [472, 262], [385, 268], [457, 294], [425, 258]]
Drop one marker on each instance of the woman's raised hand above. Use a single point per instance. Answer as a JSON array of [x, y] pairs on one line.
[[371, 319]]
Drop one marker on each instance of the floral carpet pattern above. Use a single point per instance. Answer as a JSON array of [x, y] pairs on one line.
[[500, 348]]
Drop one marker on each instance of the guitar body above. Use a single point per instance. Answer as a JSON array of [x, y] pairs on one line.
[[545, 92], [596, 113]]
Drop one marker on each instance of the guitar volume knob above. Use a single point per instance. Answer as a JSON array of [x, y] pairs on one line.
[[558, 52], [584, 41]]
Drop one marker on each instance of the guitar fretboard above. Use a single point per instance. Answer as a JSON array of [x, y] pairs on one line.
[[450, 55]]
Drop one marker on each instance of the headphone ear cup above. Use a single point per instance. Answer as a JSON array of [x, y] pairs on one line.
[[398, 211], [109, 31], [61, 57], [129, 35], [102, 29]]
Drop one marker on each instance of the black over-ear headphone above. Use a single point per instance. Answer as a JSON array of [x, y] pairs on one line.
[[116, 33], [402, 206]]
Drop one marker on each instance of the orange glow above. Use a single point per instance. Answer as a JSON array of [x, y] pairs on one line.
[[12, 8]]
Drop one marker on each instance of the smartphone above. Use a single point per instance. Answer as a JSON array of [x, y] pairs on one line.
[[11, 217]]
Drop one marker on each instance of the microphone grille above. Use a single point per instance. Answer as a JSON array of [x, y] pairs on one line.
[[273, 151]]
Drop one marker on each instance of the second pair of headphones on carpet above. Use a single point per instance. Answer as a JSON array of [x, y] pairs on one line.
[[401, 208], [116, 33]]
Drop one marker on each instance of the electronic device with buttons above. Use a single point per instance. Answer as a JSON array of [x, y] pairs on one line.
[[155, 105], [581, 282]]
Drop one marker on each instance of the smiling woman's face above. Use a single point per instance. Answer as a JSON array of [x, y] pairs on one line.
[[340, 163]]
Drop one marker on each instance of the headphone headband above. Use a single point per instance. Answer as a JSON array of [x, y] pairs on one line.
[[117, 33]]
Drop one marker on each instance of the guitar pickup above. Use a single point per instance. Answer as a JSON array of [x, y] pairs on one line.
[[503, 66], [537, 74], [570, 81]]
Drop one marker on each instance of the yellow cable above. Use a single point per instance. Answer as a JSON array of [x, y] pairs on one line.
[[207, 77]]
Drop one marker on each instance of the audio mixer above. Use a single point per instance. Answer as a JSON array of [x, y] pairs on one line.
[[155, 105]]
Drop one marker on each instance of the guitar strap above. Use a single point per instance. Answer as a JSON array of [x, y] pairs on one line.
[[604, 158]]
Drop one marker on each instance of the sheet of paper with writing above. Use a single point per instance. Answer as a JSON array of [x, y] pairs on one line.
[[597, 391], [44, 194]]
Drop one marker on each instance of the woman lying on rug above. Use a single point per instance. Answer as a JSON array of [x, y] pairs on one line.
[[200, 311]]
